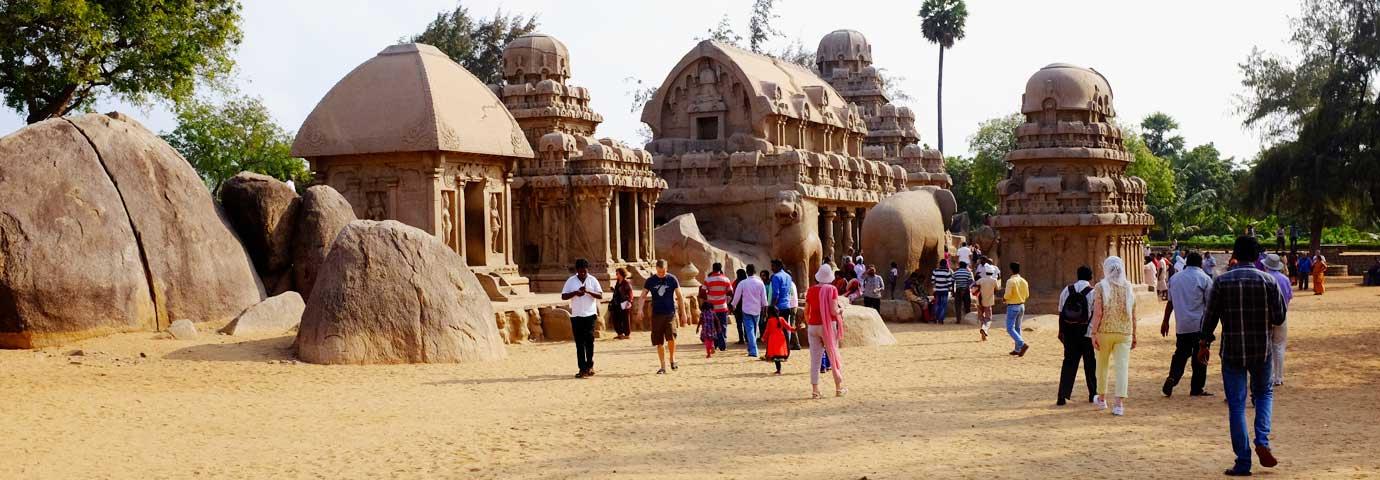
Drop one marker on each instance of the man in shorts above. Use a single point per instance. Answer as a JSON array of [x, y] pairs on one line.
[[665, 292]]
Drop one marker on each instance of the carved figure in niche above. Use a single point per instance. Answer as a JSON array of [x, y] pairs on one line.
[[708, 82], [448, 218], [496, 221], [376, 206]]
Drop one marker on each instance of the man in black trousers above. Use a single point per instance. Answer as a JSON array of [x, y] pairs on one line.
[[584, 293], [1189, 292], [1075, 313]]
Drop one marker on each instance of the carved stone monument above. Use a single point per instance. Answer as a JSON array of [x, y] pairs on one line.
[[1067, 200], [844, 58], [766, 153], [581, 197], [410, 135]]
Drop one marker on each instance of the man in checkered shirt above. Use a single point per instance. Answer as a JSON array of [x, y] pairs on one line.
[[1246, 302]]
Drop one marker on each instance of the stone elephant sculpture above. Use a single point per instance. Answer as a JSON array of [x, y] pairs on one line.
[[909, 228], [985, 238], [796, 236]]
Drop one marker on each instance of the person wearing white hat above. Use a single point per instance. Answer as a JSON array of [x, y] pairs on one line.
[[824, 327], [1279, 333]]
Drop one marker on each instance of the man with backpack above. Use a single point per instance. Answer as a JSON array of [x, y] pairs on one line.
[[1189, 292], [1075, 313]]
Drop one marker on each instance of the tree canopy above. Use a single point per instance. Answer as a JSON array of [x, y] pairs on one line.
[[1321, 108], [475, 43], [975, 178], [1157, 129], [61, 56], [221, 140]]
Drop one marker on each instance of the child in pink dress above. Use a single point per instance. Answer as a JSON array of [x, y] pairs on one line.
[[708, 328]]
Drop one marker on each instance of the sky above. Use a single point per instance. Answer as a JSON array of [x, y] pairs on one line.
[[1176, 56]]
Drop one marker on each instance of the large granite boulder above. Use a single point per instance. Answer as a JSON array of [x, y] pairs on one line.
[[908, 228], [863, 327], [681, 243], [105, 228], [263, 211], [390, 293], [323, 213]]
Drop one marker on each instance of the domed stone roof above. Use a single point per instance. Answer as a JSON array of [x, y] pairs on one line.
[[410, 98], [844, 45], [536, 53], [1070, 87]]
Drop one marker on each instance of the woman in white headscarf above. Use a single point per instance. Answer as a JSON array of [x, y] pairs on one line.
[[824, 326], [1113, 330]]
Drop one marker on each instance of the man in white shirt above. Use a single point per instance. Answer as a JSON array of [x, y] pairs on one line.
[[965, 254], [986, 268], [584, 293], [751, 297], [859, 268]]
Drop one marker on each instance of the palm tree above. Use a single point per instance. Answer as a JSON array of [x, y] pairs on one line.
[[942, 23]]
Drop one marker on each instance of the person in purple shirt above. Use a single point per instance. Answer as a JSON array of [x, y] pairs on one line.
[[1279, 334]]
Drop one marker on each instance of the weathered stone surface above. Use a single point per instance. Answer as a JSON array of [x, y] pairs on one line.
[[76, 263], [70, 267], [555, 325], [390, 293], [323, 213], [182, 330], [908, 228], [263, 211], [900, 311], [276, 315], [198, 267], [681, 243], [863, 327]]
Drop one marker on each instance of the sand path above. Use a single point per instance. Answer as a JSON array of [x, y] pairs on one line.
[[939, 404]]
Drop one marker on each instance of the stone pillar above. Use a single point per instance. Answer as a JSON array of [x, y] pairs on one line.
[[848, 232], [827, 214], [607, 257], [460, 220], [648, 219], [508, 221], [636, 244], [615, 230]]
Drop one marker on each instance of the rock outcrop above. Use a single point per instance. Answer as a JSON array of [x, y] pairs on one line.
[[263, 211], [680, 242], [863, 327], [323, 213], [105, 228], [274, 316], [391, 293]]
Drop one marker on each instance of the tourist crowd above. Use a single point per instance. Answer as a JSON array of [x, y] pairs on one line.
[[1248, 300]]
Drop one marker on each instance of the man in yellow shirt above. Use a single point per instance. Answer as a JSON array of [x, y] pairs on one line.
[[1017, 291]]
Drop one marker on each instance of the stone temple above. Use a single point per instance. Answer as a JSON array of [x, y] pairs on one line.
[[844, 58], [580, 197], [765, 153], [1067, 200], [411, 136]]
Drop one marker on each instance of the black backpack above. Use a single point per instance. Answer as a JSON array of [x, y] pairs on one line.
[[1076, 311]]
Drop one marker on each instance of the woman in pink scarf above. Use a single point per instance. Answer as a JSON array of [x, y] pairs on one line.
[[824, 324]]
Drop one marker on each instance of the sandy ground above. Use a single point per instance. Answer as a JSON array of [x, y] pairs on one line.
[[940, 404]]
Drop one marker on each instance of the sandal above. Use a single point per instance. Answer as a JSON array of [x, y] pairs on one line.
[[661, 371], [816, 396], [841, 392], [674, 366]]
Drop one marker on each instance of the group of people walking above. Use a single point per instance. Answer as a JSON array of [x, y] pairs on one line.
[[764, 306], [1097, 324]]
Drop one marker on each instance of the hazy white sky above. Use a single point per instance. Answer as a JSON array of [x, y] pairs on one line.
[[1176, 56]]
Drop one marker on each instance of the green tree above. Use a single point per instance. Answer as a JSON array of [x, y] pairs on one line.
[[1158, 174], [942, 24], [760, 29], [993, 139], [476, 44], [60, 56], [722, 33], [1157, 129], [1320, 107], [238, 135]]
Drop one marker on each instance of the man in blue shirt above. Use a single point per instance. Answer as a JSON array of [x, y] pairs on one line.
[[1305, 271], [1189, 292], [664, 289], [781, 287]]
